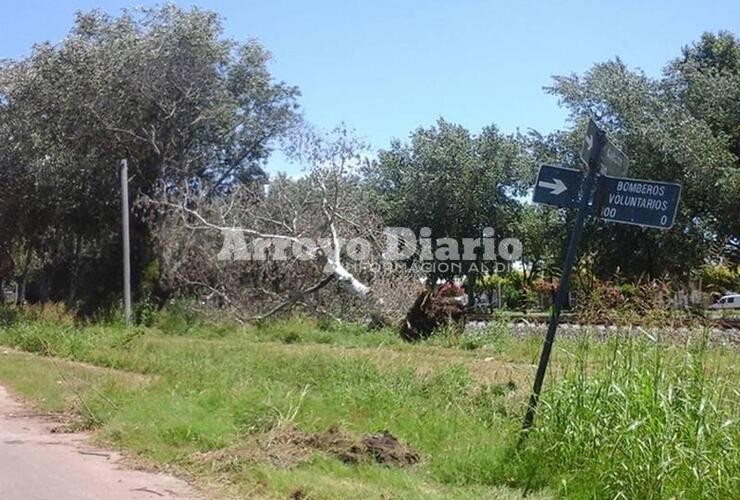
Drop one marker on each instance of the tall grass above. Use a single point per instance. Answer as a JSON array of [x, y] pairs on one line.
[[652, 422], [626, 419]]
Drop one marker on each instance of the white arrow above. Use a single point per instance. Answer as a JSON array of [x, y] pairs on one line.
[[555, 188], [589, 142]]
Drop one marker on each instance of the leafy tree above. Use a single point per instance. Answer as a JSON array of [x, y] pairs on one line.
[[706, 79], [540, 230], [160, 87], [451, 181], [682, 128]]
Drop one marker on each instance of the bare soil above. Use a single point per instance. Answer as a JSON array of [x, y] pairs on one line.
[[286, 447]]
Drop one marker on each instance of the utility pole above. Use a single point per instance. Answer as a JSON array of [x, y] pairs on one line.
[[584, 208], [126, 243]]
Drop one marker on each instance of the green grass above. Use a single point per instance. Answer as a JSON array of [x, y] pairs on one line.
[[60, 386], [653, 422], [624, 419]]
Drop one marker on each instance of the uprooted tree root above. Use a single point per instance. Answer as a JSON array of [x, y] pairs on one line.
[[429, 312], [287, 447]]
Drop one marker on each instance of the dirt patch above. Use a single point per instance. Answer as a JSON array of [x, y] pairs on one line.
[[335, 442], [297, 495], [386, 449], [287, 447]]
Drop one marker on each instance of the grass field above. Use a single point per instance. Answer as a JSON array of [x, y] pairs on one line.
[[629, 418]]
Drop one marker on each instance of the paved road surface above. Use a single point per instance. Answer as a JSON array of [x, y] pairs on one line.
[[36, 464]]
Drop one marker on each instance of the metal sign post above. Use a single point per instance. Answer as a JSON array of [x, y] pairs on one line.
[[597, 138], [126, 243], [617, 199]]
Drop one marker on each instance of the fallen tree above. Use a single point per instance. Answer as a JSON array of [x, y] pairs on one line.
[[261, 249]]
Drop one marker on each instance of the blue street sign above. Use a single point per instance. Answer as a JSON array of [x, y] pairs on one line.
[[637, 201], [557, 186], [617, 199], [612, 160]]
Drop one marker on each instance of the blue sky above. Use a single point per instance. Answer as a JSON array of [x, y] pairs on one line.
[[386, 67]]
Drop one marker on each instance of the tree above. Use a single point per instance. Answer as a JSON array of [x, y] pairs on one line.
[[451, 181], [706, 79], [674, 129], [540, 230], [257, 252], [160, 87]]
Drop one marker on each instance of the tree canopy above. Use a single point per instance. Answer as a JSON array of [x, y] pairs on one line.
[[682, 127], [451, 181], [186, 106], [160, 87]]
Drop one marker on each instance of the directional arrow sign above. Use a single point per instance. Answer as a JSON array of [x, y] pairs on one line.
[[617, 199], [637, 201], [557, 186], [612, 160]]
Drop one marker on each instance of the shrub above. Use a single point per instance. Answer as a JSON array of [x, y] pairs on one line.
[[176, 318], [720, 278], [8, 315], [55, 313]]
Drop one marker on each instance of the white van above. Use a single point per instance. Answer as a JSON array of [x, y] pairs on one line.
[[730, 301]]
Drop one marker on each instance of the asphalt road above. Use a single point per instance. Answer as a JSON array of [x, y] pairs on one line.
[[36, 464]]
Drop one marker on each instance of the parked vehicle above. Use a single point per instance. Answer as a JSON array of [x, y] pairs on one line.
[[729, 301]]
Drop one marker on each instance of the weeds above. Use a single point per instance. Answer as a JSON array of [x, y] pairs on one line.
[[624, 419], [650, 424]]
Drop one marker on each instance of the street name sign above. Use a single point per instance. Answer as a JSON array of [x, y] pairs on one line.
[[557, 186], [612, 160], [637, 201], [616, 199]]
